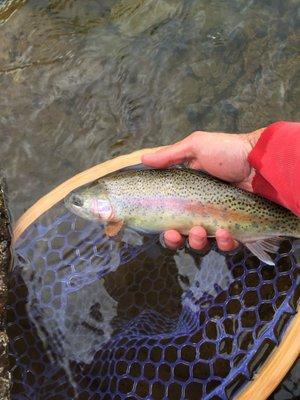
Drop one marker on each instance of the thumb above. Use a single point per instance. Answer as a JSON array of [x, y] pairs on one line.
[[169, 155]]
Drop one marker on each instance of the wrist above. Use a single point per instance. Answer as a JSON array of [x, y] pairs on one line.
[[253, 137], [249, 140]]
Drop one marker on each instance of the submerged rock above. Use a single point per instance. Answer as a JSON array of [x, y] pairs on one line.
[[4, 263]]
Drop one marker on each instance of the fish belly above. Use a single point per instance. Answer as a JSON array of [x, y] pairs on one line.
[[182, 216]]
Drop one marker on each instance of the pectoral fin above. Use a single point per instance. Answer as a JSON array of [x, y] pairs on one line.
[[132, 237], [261, 248], [113, 228]]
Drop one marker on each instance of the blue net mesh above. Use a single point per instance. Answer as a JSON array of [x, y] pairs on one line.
[[95, 318]]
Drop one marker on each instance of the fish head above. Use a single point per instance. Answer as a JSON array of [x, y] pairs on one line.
[[91, 204]]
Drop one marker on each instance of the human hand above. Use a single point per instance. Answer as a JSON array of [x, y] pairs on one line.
[[222, 155]]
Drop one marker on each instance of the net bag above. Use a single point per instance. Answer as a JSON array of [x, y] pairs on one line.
[[93, 318]]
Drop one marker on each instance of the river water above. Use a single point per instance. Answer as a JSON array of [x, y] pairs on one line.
[[82, 82]]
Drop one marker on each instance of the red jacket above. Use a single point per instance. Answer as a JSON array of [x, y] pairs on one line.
[[276, 160]]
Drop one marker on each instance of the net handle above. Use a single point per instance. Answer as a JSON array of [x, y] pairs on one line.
[[280, 360]]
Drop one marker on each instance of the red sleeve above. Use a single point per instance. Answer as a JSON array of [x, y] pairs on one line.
[[276, 161]]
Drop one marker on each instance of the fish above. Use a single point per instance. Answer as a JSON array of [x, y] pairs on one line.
[[149, 200]]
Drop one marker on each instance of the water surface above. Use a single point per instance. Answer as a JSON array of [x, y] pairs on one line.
[[82, 82]]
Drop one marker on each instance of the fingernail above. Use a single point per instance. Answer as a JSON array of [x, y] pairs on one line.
[[163, 243], [161, 238], [224, 241], [206, 249], [236, 244], [232, 252], [200, 241]]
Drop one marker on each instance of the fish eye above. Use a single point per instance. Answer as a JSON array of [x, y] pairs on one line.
[[76, 200]]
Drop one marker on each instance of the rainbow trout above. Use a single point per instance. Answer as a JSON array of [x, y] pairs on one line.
[[155, 200]]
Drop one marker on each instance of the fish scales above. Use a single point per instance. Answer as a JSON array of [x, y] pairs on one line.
[[201, 199], [152, 201]]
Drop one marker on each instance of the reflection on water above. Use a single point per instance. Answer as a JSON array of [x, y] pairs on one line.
[[84, 81]]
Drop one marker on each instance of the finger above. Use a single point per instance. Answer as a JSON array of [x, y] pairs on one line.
[[225, 241], [198, 238], [173, 239], [170, 155]]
